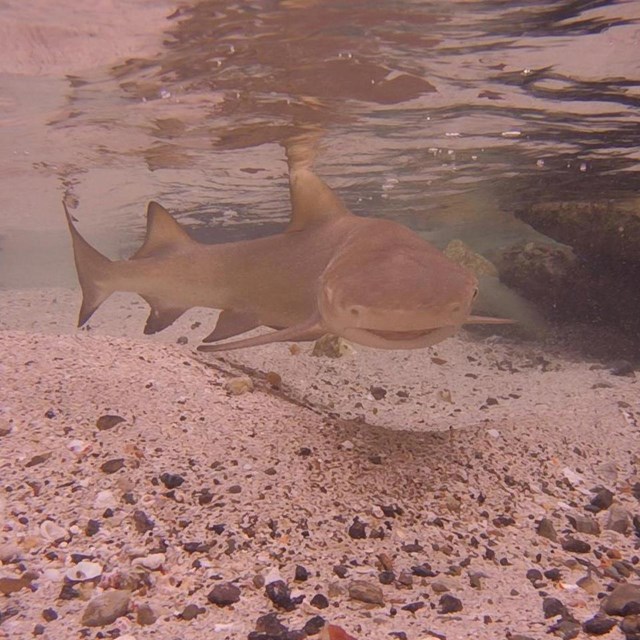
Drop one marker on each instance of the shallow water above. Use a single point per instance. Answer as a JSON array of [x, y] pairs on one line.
[[448, 117]]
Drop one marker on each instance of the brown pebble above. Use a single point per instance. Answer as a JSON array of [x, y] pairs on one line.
[[365, 592], [145, 615], [111, 466], [575, 545], [191, 611], [142, 521], [224, 594], [107, 422], [378, 393], [13, 585], [38, 459], [106, 608], [546, 529], [274, 379]]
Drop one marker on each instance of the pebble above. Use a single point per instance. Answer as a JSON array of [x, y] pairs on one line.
[[330, 346], [584, 524], [618, 519], [271, 626], [53, 532], [357, 530], [621, 597], [142, 521], [108, 421], [630, 626], [440, 585], [224, 594], [280, 594], [12, 585], [378, 393], [9, 551], [301, 574], [113, 465], [546, 529], [588, 584], [601, 501], [319, 601], [364, 592], [552, 607], [238, 386], [598, 625], [93, 526], [171, 480], [104, 500], [145, 615], [106, 608], [191, 611], [49, 615], [449, 604], [152, 562], [314, 625], [575, 545]]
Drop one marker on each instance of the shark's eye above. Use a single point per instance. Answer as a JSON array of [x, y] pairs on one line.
[[475, 293], [354, 311]]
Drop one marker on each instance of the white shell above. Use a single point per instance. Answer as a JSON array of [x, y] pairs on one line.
[[53, 532], [84, 570], [152, 562]]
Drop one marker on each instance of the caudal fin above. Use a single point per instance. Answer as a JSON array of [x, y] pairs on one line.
[[93, 272]]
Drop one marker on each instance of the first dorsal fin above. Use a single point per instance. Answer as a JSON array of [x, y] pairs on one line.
[[312, 201], [163, 232]]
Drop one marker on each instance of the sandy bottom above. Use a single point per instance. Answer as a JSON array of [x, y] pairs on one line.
[[416, 480]]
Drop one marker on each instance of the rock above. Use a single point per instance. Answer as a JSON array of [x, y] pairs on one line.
[[142, 521], [618, 519], [84, 571], [598, 625], [171, 480], [113, 465], [238, 386], [152, 562], [93, 526], [105, 500], [224, 594], [442, 584], [601, 501], [301, 574], [630, 626], [378, 393], [108, 421], [9, 552], [584, 524], [588, 584], [314, 625], [461, 253], [449, 604], [386, 577], [357, 530], [552, 607], [546, 529], [145, 615], [330, 346], [614, 604], [191, 611], [280, 594], [11, 585], [574, 545], [412, 607], [53, 532], [49, 615], [271, 626], [319, 601], [365, 592], [106, 608]]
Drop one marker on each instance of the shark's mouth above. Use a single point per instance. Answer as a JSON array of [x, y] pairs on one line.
[[400, 335], [388, 339]]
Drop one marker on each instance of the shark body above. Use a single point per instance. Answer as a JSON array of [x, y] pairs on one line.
[[371, 281]]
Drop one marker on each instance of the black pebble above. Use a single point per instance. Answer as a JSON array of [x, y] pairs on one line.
[[191, 611], [224, 594], [319, 601], [50, 614], [357, 530], [111, 466], [386, 577], [302, 574], [416, 606], [553, 574], [171, 480], [601, 501], [341, 571], [574, 545], [270, 625], [598, 625], [142, 521], [68, 592], [450, 604], [534, 575], [93, 526], [314, 625], [553, 607], [280, 595]]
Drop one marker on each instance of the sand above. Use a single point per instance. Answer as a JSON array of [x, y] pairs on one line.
[[436, 488]]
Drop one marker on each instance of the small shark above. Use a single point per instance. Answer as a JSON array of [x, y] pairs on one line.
[[371, 281]]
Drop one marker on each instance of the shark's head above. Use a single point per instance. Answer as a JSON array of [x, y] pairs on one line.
[[410, 297]]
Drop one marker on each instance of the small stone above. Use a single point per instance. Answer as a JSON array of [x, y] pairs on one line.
[[13, 585], [584, 524], [319, 601], [152, 562], [142, 521], [84, 571], [274, 379], [618, 519], [145, 615], [171, 480], [365, 592], [341, 571], [280, 594], [614, 604], [113, 465], [330, 346], [553, 574], [405, 578], [314, 625], [301, 575], [357, 530], [224, 594], [574, 545], [449, 604], [630, 626], [413, 606], [235, 488], [106, 608], [534, 576], [271, 626], [50, 614], [386, 577], [601, 501], [588, 584], [53, 532], [38, 629], [191, 611], [67, 592], [566, 628], [39, 459], [443, 584], [546, 529], [552, 607], [622, 368], [378, 393], [9, 552], [108, 421], [238, 386], [598, 625]]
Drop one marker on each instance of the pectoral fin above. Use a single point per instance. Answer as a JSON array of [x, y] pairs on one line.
[[309, 330], [160, 316], [232, 323]]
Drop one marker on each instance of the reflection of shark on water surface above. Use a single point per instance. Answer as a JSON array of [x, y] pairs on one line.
[[371, 281]]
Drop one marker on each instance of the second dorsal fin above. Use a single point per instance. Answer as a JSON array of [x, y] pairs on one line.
[[163, 233]]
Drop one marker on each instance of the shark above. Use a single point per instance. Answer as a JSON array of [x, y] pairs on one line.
[[371, 281]]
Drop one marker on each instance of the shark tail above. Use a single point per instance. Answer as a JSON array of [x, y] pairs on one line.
[[94, 272]]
